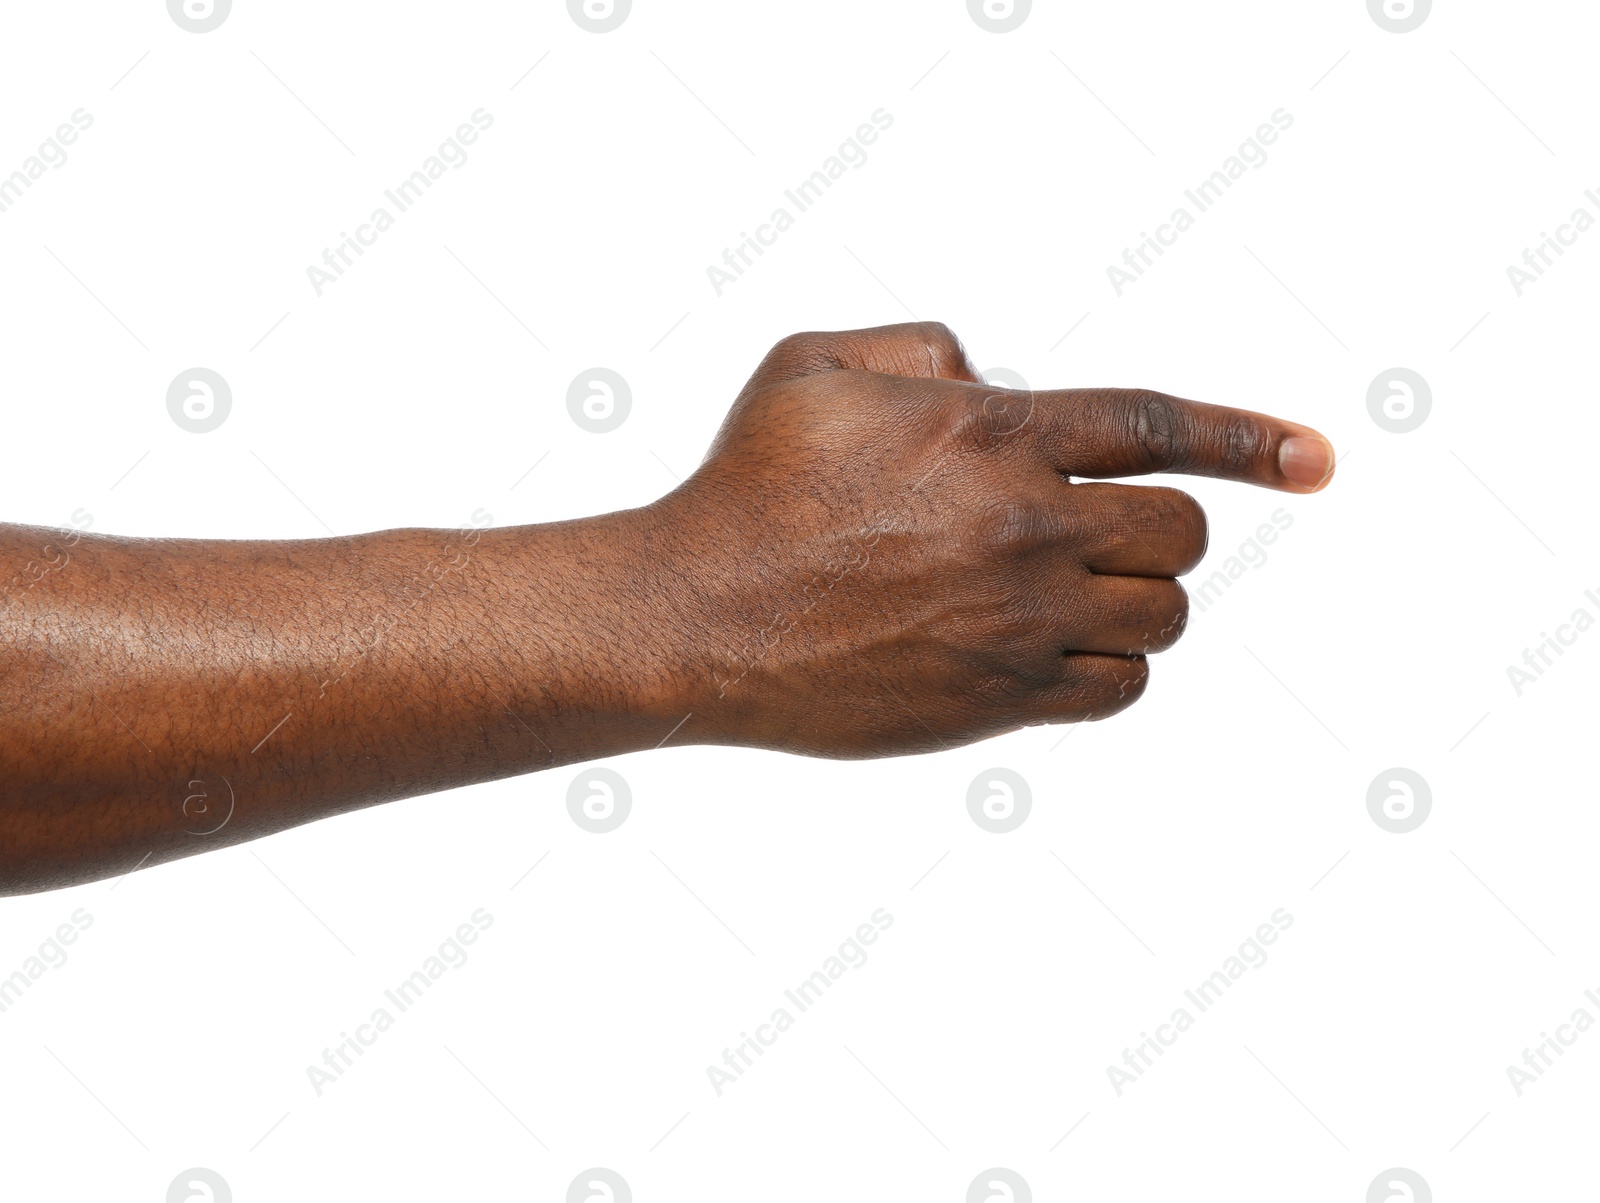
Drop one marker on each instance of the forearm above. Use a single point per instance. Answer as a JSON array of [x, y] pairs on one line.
[[165, 697], [880, 555]]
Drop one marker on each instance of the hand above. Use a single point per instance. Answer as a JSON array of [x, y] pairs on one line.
[[882, 554]]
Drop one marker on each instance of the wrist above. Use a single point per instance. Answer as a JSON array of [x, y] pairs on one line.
[[609, 636]]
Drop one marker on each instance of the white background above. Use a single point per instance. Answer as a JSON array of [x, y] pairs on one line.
[[424, 384]]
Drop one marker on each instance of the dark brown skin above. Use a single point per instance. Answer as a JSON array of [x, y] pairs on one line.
[[879, 555]]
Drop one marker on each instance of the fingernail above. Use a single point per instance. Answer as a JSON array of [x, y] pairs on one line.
[[1305, 461]]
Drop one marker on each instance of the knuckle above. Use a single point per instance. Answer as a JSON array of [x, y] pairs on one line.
[[968, 426], [806, 338], [1242, 443], [1152, 621], [943, 346], [1123, 686], [1107, 686], [1189, 529], [802, 349], [1164, 618], [1002, 689], [1009, 528], [1156, 426], [1172, 620], [1163, 524], [1035, 673], [990, 418]]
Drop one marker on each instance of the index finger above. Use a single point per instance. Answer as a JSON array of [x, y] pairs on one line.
[[1129, 432]]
